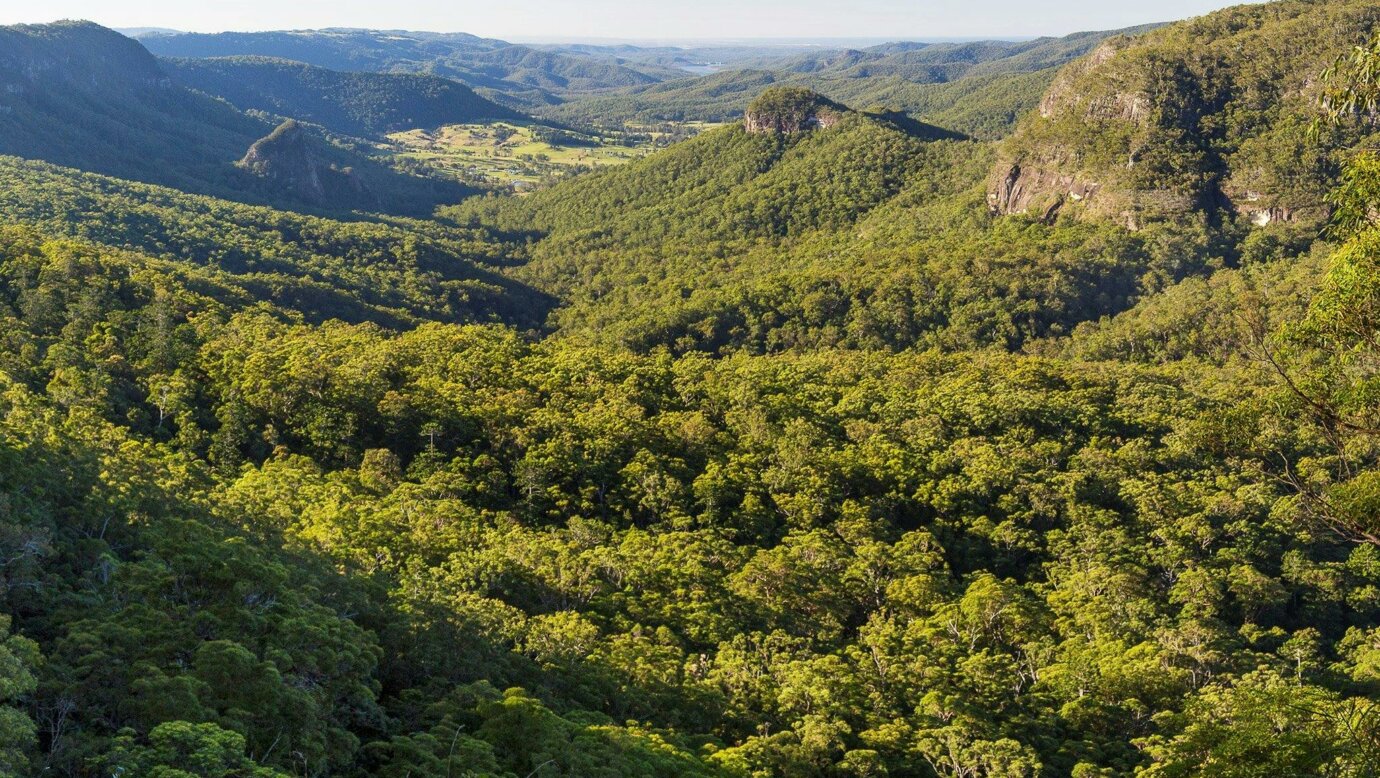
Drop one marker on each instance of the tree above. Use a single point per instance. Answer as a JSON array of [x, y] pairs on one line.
[[179, 749], [19, 658], [1264, 726]]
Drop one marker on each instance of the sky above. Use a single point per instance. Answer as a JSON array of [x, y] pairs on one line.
[[642, 20]]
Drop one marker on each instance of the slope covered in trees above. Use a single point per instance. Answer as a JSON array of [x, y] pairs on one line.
[[397, 273], [364, 104], [516, 73], [861, 234], [998, 81], [1208, 115], [818, 467], [789, 565], [80, 95]]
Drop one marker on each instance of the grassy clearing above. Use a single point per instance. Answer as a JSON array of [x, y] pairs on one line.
[[524, 157]]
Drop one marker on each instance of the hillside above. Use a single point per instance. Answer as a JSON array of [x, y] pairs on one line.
[[515, 73], [860, 234], [321, 269], [829, 443], [80, 95], [996, 79], [740, 239], [1209, 115], [361, 104], [73, 88], [944, 62]]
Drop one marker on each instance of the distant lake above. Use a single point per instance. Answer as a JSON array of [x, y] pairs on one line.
[[702, 70]]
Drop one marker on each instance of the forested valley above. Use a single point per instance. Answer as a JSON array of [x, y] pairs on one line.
[[979, 432]]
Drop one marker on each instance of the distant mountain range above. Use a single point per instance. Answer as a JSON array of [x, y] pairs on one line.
[[978, 88], [523, 74], [599, 84]]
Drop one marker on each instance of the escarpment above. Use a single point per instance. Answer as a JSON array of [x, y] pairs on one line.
[[790, 110], [76, 55], [1208, 117]]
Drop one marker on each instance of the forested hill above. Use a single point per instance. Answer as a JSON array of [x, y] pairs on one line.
[[816, 175], [80, 95], [1155, 159], [1205, 116], [977, 88], [799, 448], [395, 274], [857, 234], [514, 70], [720, 240], [362, 104], [73, 91]]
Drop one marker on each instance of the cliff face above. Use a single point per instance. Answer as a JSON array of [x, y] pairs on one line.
[[1020, 190], [1207, 115], [766, 122], [790, 110], [287, 158], [75, 54]]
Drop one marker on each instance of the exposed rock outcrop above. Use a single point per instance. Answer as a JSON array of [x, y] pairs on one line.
[[1262, 210], [77, 54], [1205, 116], [1017, 189], [287, 156], [788, 125], [789, 110]]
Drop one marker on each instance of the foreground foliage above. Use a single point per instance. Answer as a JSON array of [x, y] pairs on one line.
[[899, 488], [243, 541]]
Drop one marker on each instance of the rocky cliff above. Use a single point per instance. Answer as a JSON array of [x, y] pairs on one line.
[[789, 110], [74, 54], [1209, 115], [288, 158]]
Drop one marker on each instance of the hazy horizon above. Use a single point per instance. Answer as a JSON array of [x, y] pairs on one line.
[[595, 21], [784, 42]]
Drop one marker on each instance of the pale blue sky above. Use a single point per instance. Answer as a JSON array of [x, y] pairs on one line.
[[629, 19]]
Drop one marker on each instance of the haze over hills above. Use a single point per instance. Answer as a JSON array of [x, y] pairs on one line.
[[80, 95], [956, 410], [977, 88], [573, 82], [520, 73]]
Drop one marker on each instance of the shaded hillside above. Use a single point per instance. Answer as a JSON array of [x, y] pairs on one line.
[[1207, 115], [292, 162], [394, 275], [80, 95], [363, 104]]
